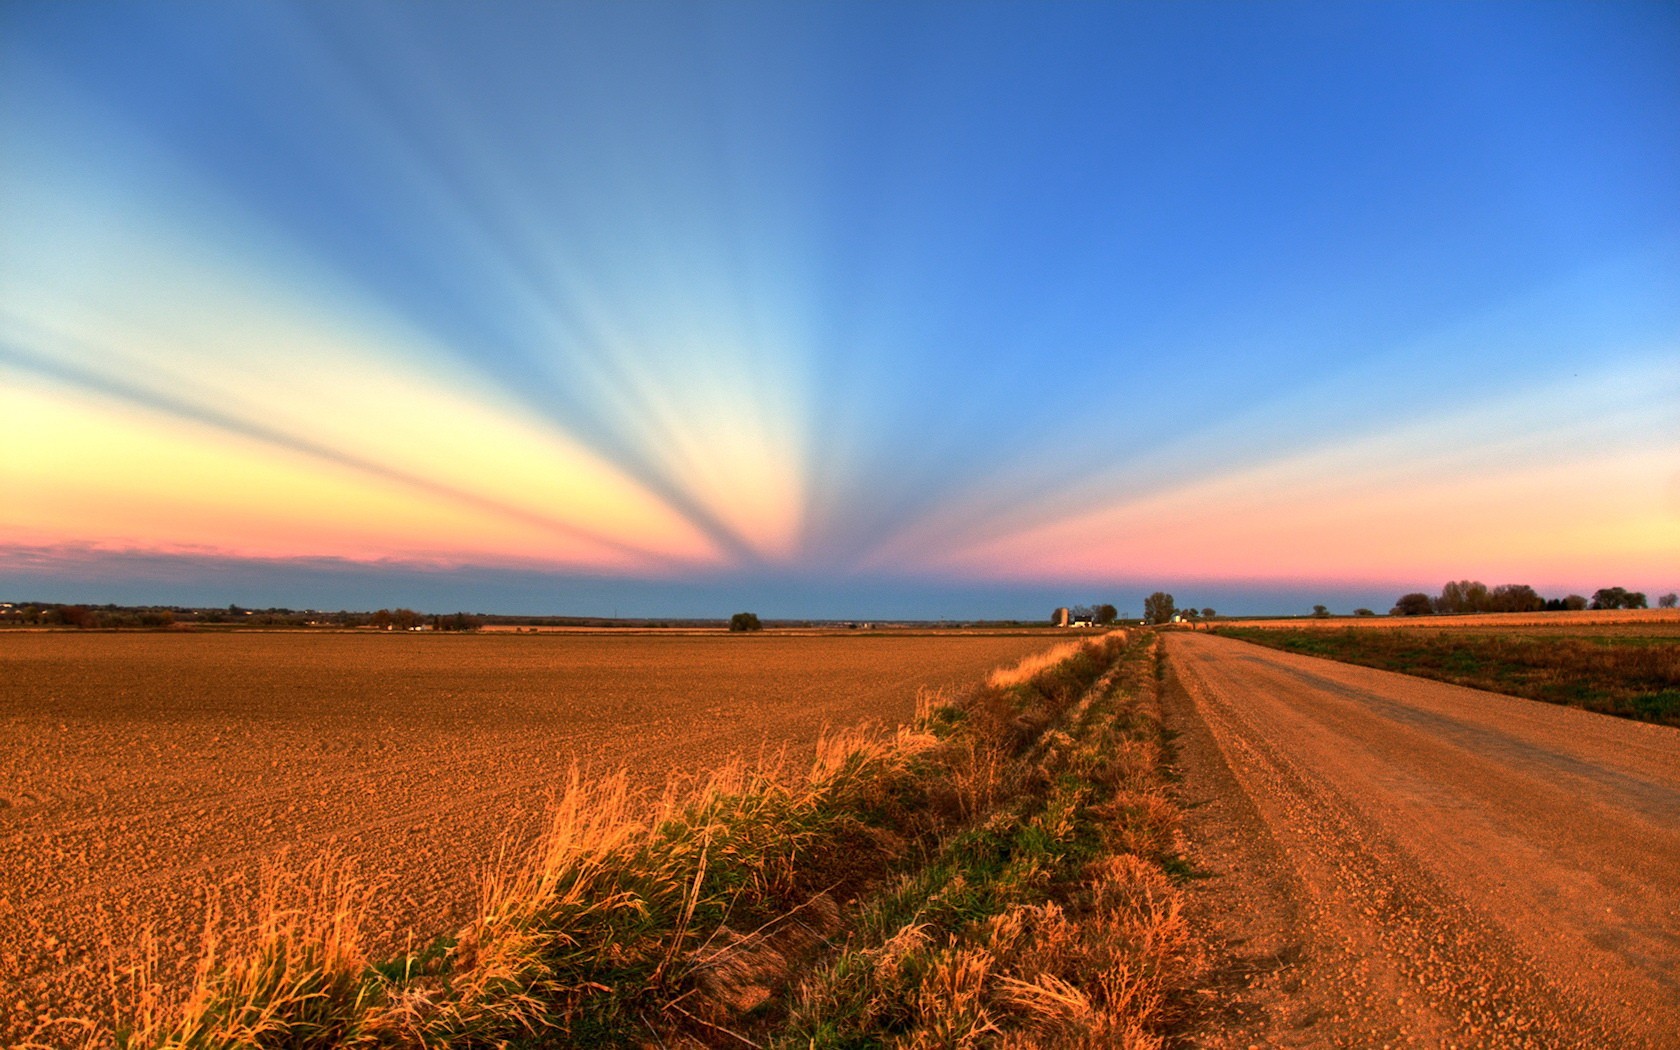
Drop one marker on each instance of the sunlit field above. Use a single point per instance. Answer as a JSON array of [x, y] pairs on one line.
[[148, 776]]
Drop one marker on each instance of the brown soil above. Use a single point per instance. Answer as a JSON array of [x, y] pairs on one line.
[[140, 771], [1394, 861]]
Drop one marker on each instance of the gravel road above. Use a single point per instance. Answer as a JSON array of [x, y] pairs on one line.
[[1395, 861]]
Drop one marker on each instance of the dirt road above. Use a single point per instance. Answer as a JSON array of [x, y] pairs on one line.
[[1394, 861]]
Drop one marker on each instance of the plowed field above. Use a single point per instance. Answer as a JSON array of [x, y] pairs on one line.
[[139, 771]]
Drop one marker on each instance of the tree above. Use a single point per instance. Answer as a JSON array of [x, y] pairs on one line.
[[1415, 604], [1451, 598], [1321, 612], [1106, 614], [1668, 601], [1617, 598], [1208, 615], [1363, 612], [1515, 597], [1190, 615], [745, 621], [1159, 608], [1463, 596], [1575, 603]]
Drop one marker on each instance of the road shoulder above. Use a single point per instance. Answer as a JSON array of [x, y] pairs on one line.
[[1244, 897]]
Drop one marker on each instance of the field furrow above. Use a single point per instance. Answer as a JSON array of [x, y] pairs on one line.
[[146, 774]]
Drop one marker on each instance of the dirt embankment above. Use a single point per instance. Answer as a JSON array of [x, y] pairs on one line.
[[1395, 861]]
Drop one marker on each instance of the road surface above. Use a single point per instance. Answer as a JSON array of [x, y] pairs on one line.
[[1395, 861]]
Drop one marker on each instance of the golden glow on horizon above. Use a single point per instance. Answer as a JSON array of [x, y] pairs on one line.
[[109, 476]]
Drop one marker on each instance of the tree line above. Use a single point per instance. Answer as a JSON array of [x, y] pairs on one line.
[[1160, 607], [107, 617], [1474, 596]]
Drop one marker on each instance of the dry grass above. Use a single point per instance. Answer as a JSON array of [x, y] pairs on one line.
[[1005, 677], [1034, 664], [292, 980], [1050, 923]]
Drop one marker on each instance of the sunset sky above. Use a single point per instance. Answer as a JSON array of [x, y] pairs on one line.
[[953, 310]]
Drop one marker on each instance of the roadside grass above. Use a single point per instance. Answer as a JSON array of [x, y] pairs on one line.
[[1050, 923], [1632, 677], [1028, 666], [995, 871]]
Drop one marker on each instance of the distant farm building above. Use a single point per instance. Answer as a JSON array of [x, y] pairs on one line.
[[1060, 619]]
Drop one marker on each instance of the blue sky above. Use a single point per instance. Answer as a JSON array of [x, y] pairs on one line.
[[837, 309]]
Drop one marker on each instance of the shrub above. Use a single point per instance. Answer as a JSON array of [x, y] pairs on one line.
[[745, 621], [1415, 604]]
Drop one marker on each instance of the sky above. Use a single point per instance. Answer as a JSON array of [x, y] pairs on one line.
[[836, 309]]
